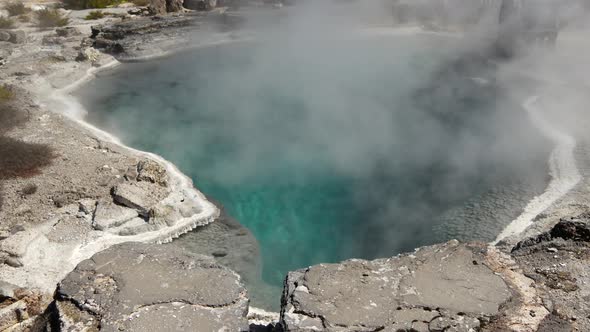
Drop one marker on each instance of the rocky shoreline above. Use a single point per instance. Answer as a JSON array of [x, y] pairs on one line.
[[95, 194]]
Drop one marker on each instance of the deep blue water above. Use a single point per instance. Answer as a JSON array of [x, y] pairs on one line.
[[352, 148]]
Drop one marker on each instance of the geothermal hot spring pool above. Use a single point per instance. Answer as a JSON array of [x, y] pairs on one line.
[[330, 149]]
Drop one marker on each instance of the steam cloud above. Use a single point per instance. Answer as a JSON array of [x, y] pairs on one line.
[[450, 113]]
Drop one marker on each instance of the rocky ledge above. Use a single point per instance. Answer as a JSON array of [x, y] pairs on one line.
[[149, 37], [140, 287], [542, 285]]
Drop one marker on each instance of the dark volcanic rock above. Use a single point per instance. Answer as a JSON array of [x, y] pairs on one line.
[[438, 288], [571, 230], [145, 287]]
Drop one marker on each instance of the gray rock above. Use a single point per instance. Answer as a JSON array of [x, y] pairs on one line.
[[174, 6], [456, 323], [200, 4], [87, 206], [4, 36], [109, 215], [135, 197], [157, 7], [558, 261], [146, 287], [132, 227], [151, 171], [53, 40], [395, 293], [7, 289], [88, 54], [67, 31], [164, 215], [17, 36], [147, 36]]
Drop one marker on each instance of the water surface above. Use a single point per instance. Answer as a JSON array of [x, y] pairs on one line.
[[331, 150]]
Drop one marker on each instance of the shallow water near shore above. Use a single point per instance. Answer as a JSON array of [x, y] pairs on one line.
[[362, 148]]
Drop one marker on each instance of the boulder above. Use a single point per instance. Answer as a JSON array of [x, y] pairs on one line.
[[161, 7], [88, 54], [164, 215], [17, 311], [157, 7], [67, 31], [134, 196], [174, 6], [109, 215], [4, 36], [18, 36], [406, 292], [148, 287], [200, 4], [151, 171]]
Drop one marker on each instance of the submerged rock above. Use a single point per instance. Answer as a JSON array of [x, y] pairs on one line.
[[147, 287]]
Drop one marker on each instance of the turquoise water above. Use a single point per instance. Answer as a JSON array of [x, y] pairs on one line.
[[354, 148]]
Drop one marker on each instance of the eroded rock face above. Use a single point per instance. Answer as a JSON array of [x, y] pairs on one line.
[[437, 288], [174, 5], [160, 7], [157, 7], [135, 196], [145, 287], [200, 4], [558, 262], [151, 171]]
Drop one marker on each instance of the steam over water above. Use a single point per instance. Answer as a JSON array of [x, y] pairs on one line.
[[333, 149]]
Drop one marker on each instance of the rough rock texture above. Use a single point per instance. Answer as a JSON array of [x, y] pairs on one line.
[[542, 286], [144, 287], [136, 196], [4, 36], [174, 5], [157, 7], [433, 289], [153, 172], [150, 37], [160, 7], [200, 4], [13, 36], [108, 215], [558, 261], [21, 309]]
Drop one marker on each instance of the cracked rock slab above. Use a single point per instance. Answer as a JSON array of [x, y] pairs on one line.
[[109, 215], [135, 196], [436, 287], [146, 287]]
